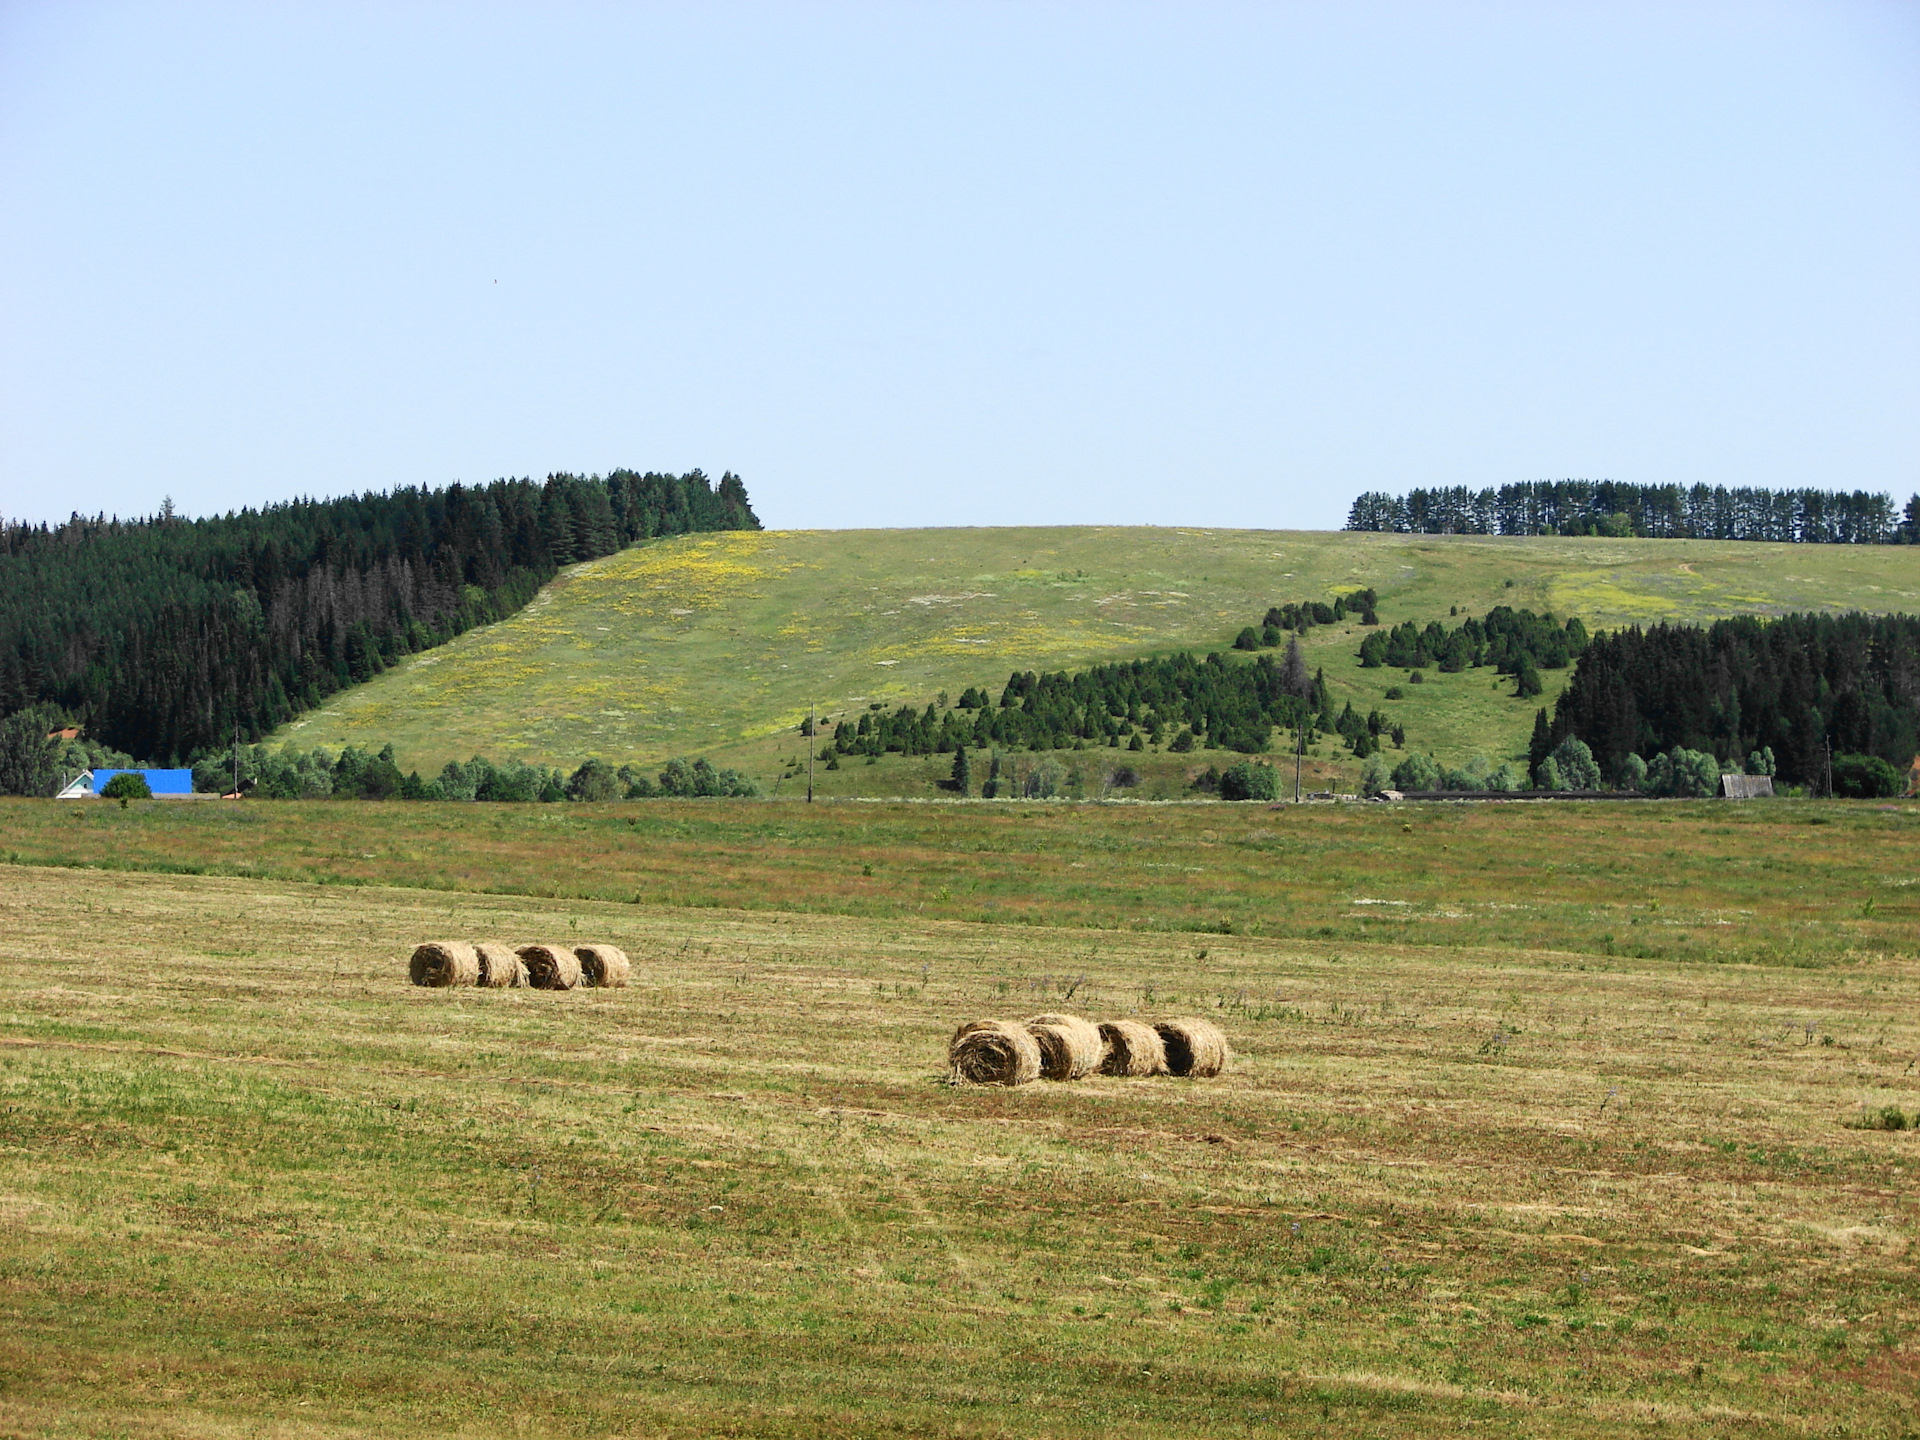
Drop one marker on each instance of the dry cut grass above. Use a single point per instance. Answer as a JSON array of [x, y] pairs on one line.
[[259, 1183]]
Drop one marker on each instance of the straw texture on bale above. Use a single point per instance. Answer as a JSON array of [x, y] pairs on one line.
[[994, 1052], [550, 967], [1069, 1046], [444, 962], [499, 966], [604, 965], [1133, 1048], [1194, 1047]]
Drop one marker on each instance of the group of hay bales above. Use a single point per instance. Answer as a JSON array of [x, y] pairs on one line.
[[1066, 1047], [499, 967]]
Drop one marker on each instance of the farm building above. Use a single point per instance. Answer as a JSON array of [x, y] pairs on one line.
[[1746, 787], [165, 784]]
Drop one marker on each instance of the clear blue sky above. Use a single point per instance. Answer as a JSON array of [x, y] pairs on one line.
[[983, 263]]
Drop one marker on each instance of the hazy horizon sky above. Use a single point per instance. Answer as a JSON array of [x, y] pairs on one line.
[[930, 264]]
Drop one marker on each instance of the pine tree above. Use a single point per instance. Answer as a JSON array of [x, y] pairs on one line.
[[962, 771]]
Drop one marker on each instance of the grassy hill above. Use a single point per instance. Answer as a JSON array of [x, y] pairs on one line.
[[716, 644]]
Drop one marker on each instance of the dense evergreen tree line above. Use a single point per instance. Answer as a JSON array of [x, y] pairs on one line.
[[1740, 688], [164, 635], [1606, 507]]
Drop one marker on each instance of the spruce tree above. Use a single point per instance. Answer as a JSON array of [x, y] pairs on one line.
[[1541, 745], [962, 771], [1294, 679]]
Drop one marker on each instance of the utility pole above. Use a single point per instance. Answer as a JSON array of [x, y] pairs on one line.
[[813, 734], [236, 759], [1298, 755]]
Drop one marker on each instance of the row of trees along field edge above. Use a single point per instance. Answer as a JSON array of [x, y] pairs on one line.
[[1667, 512]]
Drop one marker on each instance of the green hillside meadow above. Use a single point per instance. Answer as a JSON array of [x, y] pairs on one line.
[[716, 644]]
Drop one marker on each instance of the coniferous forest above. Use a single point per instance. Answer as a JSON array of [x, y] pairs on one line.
[[1672, 512], [163, 636], [1803, 686]]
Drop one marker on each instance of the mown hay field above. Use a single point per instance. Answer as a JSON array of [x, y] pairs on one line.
[[717, 644], [1457, 1179]]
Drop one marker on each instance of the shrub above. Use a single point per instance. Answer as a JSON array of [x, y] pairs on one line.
[[1376, 775], [1417, 772], [1577, 768], [1247, 781], [595, 780], [1044, 780], [511, 781], [1479, 775], [360, 776], [1864, 777], [127, 786], [1183, 742], [1633, 773], [1888, 1117], [700, 778], [1683, 774]]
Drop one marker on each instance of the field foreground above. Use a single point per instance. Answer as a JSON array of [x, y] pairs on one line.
[[254, 1183]]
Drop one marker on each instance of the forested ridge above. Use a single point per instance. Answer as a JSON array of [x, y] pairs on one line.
[[162, 636], [1677, 512], [1802, 686]]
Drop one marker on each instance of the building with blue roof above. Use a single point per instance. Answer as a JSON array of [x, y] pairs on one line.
[[165, 784]]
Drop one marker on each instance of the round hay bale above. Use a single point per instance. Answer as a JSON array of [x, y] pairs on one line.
[[499, 966], [603, 965], [550, 967], [1069, 1046], [1133, 1048], [444, 962], [994, 1052], [1194, 1047]]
